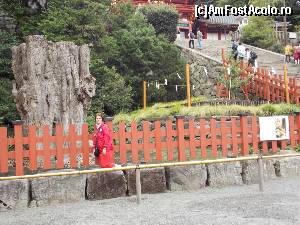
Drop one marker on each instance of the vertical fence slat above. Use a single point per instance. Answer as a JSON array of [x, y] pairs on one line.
[[224, 137], [122, 143], [265, 147], [274, 146], [3, 150], [192, 138], [244, 135], [72, 138], [234, 137], [46, 147], [283, 144], [134, 142], [203, 139], [147, 156], [32, 147], [254, 134], [85, 144], [213, 138], [59, 146], [169, 140], [180, 136], [19, 150], [298, 128], [157, 134], [292, 130], [109, 123]]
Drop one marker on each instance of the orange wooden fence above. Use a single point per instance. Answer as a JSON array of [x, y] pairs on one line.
[[264, 85], [177, 139]]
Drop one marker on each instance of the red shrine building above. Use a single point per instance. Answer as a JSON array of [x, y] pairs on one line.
[[214, 28]]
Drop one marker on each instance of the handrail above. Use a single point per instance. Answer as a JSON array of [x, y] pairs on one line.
[[145, 166]]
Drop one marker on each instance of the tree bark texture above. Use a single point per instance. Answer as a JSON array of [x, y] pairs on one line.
[[53, 83]]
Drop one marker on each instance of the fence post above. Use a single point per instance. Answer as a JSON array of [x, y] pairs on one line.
[[85, 145], [260, 171], [73, 150], [244, 134], [146, 140], [18, 147], [157, 135], [59, 146], [3, 150], [122, 142], [138, 184], [32, 147], [286, 81], [109, 123], [169, 130], [180, 137], [134, 142]]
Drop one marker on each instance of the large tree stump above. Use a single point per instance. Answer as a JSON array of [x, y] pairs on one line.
[[53, 83]]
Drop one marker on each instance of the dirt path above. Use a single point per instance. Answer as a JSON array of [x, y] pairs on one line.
[[279, 204]]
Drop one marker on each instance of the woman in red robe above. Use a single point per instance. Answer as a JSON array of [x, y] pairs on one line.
[[103, 140]]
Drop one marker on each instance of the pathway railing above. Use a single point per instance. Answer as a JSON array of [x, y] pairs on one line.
[[264, 84]]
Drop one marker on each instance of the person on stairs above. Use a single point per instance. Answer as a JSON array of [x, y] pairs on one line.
[[192, 38], [199, 38]]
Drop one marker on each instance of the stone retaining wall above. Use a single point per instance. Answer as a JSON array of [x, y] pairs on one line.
[[18, 194], [204, 72]]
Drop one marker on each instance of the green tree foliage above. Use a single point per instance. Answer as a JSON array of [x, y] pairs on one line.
[[141, 55], [163, 18], [295, 18], [8, 110], [259, 32], [126, 49], [7, 40]]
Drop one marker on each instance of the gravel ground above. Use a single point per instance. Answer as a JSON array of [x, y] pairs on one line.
[[279, 204]]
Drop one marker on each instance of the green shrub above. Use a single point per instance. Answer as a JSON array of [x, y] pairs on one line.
[[267, 110], [172, 109]]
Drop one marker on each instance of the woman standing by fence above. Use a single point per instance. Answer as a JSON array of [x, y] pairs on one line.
[[102, 140]]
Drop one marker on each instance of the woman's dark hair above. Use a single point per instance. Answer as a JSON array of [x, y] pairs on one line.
[[101, 114]]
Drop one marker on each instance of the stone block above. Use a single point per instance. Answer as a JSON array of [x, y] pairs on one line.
[[250, 171], [186, 178], [288, 167], [153, 180], [14, 194], [58, 189], [106, 185], [224, 174]]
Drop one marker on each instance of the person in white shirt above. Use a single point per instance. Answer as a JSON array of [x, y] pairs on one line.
[[241, 50]]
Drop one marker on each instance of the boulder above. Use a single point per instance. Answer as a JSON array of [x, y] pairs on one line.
[[14, 194], [153, 180], [250, 171], [224, 174], [106, 185], [58, 189], [186, 178]]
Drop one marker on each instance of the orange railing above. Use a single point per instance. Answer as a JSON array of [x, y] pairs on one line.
[[167, 140], [264, 85]]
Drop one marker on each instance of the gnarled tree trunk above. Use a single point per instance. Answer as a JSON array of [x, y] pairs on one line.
[[53, 83]]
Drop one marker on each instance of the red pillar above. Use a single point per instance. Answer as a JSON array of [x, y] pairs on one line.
[[203, 29], [219, 35]]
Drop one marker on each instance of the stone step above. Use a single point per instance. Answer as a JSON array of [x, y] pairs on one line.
[[266, 59]]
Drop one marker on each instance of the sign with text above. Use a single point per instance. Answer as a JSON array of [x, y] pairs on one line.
[[274, 128]]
